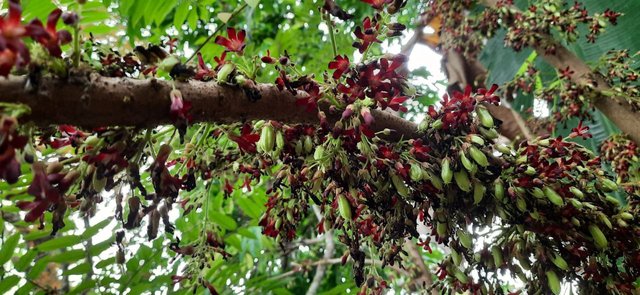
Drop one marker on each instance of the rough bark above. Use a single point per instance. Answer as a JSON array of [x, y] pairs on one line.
[[94, 101]]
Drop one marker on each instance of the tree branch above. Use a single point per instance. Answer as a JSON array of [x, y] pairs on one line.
[[615, 108], [329, 249], [91, 101]]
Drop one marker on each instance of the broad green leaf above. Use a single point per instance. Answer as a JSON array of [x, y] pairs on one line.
[[37, 268], [249, 207], [181, 14], [224, 221], [101, 247], [192, 19], [8, 248], [7, 283], [85, 285], [59, 242]]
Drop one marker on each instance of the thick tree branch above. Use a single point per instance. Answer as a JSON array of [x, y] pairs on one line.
[[615, 108], [93, 101]]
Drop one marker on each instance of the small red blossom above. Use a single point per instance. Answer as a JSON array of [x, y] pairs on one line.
[[234, 42], [48, 191], [310, 102], [377, 4], [487, 96], [340, 64], [612, 16], [179, 108], [582, 131], [12, 49], [268, 59], [9, 142], [367, 34], [566, 73], [247, 140], [203, 73], [49, 37]]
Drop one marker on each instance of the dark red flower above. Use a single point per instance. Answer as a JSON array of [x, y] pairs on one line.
[[9, 142], [582, 131], [310, 101], [247, 140], [268, 59], [488, 96], [234, 42], [566, 73], [377, 4], [49, 37], [340, 64], [367, 34], [203, 73], [12, 49], [69, 136], [48, 191]]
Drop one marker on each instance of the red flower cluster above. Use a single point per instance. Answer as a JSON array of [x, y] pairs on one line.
[[49, 37], [234, 42], [379, 80], [9, 142], [70, 136], [48, 190], [247, 140], [377, 4], [13, 51], [456, 109]]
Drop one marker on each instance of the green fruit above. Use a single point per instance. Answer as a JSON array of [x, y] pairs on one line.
[[344, 207], [560, 262], [476, 139], [308, 144], [496, 252], [537, 192], [521, 204], [465, 162], [437, 124], [554, 282], [279, 140], [503, 149], [462, 180], [490, 133], [455, 257], [400, 186], [465, 239], [446, 172], [224, 72], [319, 153], [478, 156], [485, 117], [268, 136], [626, 216], [609, 185], [478, 192], [460, 276], [168, 63], [498, 190], [415, 172], [576, 192], [553, 197], [441, 229], [598, 237]]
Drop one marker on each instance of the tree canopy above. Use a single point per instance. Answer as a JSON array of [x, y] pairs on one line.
[[287, 147]]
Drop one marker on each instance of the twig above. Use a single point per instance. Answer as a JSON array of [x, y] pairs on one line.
[[329, 250]]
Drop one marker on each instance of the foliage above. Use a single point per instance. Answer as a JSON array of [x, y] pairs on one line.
[[214, 207]]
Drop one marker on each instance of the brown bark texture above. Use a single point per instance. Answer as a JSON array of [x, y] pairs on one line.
[[95, 101]]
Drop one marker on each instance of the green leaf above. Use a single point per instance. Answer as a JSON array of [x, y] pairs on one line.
[[7, 283], [79, 269], [93, 230], [224, 221], [106, 262], [60, 242], [193, 19], [37, 268], [68, 256], [101, 247], [26, 259], [85, 285], [8, 248], [181, 14]]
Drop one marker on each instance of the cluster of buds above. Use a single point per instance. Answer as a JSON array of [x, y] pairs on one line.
[[620, 68], [624, 156]]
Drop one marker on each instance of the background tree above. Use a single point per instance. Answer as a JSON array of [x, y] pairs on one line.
[[256, 147]]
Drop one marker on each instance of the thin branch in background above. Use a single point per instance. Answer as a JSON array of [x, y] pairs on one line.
[[88, 246], [329, 250]]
